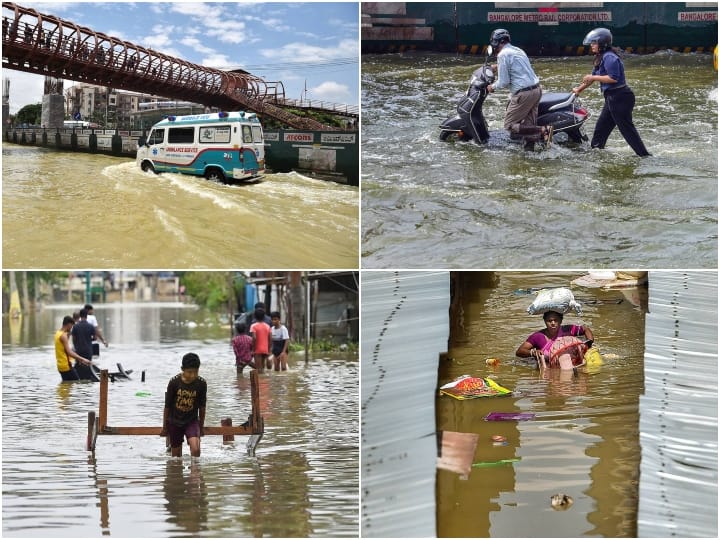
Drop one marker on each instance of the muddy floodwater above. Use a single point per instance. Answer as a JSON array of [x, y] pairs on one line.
[[302, 482], [584, 439], [428, 204], [65, 209]]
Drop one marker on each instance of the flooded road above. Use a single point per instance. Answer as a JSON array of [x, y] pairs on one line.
[[303, 481], [65, 209], [584, 440], [428, 204]]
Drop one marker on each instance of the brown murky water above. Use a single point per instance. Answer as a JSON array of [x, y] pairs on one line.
[[584, 439], [132, 219], [303, 481]]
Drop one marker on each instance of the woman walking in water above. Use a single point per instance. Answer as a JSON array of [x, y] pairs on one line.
[[609, 71]]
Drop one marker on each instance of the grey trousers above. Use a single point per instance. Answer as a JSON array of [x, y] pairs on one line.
[[522, 111]]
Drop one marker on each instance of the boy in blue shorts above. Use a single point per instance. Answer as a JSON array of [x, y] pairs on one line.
[[184, 413]]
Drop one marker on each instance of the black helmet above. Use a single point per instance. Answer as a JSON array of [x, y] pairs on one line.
[[602, 36], [499, 36]]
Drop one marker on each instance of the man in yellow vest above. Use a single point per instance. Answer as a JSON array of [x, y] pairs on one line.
[[63, 352]]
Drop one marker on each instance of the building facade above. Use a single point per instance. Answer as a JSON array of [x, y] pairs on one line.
[[120, 109]]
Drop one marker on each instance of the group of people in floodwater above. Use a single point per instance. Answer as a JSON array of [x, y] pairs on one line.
[[264, 345], [261, 341], [83, 328]]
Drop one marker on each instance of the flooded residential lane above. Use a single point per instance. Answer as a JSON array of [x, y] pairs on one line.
[[303, 481], [584, 438]]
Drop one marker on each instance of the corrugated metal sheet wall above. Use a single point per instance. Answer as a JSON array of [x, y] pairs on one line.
[[405, 327], [679, 410]]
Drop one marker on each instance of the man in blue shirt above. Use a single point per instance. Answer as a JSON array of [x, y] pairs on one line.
[[83, 334], [515, 71]]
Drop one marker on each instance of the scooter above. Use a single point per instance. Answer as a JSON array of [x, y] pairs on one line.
[[563, 111]]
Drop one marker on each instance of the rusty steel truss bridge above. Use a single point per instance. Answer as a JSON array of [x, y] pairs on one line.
[[50, 46]]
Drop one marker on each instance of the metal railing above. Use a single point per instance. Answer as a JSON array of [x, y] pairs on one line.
[[320, 105]]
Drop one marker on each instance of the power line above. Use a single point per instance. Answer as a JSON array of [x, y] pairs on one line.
[[295, 66]]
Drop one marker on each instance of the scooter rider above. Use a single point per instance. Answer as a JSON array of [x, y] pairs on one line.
[[609, 71], [515, 71]]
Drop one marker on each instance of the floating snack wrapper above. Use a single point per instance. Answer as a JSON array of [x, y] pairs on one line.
[[467, 387]]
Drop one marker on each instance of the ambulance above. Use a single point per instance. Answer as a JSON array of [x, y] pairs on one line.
[[223, 146]]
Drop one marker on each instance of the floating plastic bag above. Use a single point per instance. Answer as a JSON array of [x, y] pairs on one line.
[[467, 387], [560, 299]]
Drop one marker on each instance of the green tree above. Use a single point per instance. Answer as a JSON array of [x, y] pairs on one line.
[[210, 289], [29, 114], [35, 282]]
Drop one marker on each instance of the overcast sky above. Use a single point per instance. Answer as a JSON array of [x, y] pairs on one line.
[[305, 45]]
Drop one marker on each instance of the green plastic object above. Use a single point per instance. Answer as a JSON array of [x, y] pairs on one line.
[[142, 393], [481, 464]]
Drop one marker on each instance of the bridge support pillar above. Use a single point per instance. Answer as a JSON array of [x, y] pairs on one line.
[[53, 111], [116, 144]]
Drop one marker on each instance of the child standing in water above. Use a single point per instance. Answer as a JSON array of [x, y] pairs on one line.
[[184, 413], [280, 341], [242, 345], [261, 334]]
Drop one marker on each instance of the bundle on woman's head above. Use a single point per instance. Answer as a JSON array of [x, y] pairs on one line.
[[560, 300]]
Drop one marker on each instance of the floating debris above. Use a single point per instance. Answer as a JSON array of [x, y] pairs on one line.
[[560, 501], [500, 416]]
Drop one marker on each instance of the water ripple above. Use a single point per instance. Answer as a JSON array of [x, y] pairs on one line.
[[586, 208]]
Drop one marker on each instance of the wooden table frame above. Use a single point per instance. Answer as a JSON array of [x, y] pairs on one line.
[[98, 424]]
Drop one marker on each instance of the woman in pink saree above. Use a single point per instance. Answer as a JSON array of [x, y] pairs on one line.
[[557, 345]]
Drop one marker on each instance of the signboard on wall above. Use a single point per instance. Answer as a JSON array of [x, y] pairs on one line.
[[298, 137], [697, 16], [337, 138], [548, 17]]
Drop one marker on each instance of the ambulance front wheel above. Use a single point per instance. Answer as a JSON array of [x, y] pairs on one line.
[[147, 166], [215, 175]]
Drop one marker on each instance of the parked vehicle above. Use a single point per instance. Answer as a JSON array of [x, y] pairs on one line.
[[76, 124]]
